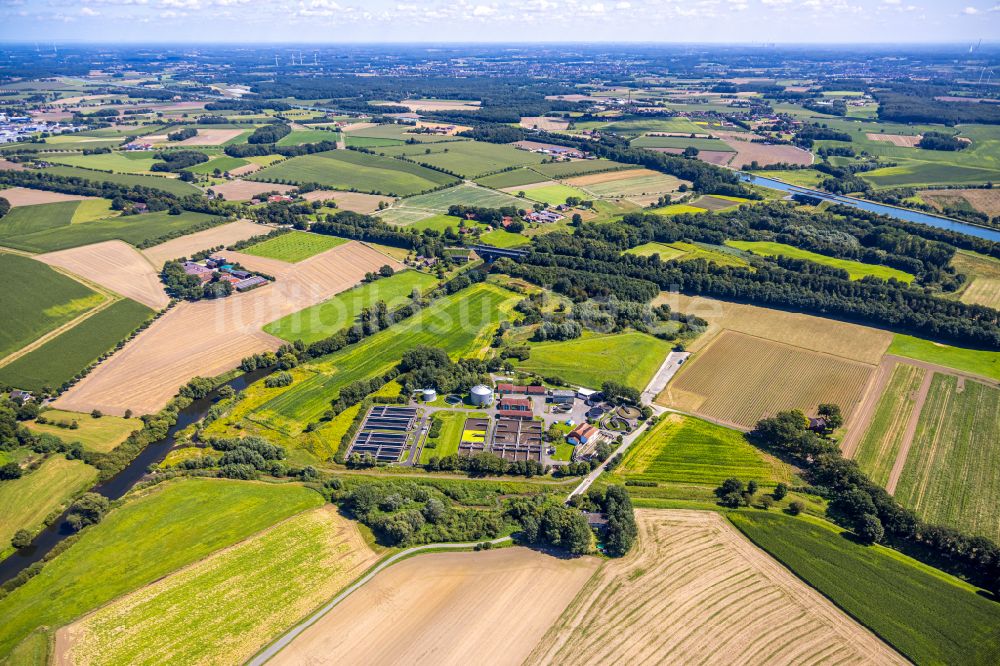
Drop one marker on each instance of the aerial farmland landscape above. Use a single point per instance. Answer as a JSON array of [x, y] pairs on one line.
[[499, 333]]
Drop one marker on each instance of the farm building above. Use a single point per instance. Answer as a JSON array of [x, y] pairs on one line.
[[461, 255], [249, 283], [544, 216], [535, 390], [563, 396], [515, 408], [481, 395], [582, 434]]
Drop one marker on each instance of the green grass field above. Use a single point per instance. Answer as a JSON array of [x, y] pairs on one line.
[[681, 142], [28, 500], [927, 615], [295, 246], [25, 220], [467, 194], [578, 168], [447, 442], [440, 222], [855, 269], [501, 238], [677, 124], [952, 471], [165, 528], [62, 357], [93, 209], [469, 159], [630, 358], [515, 178], [350, 169], [678, 209], [983, 284], [117, 162], [133, 229], [223, 163], [985, 363], [52, 300], [800, 177], [299, 137], [171, 185], [214, 612], [880, 444], [638, 185], [554, 194], [683, 449], [352, 140], [459, 324], [101, 434], [665, 251], [326, 318]]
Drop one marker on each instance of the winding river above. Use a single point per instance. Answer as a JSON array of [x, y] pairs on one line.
[[120, 483], [882, 209]]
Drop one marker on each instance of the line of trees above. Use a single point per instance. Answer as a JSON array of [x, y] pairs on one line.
[[872, 513]]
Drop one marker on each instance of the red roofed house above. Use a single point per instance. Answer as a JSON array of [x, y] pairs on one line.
[[535, 390], [508, 389], [516, 408], [581, 434]]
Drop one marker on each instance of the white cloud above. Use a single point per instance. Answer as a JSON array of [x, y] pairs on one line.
[[970, 11], [89, 11], [484, 10]]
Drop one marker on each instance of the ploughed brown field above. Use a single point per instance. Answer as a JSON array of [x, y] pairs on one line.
[[209, 337], [695, 591]]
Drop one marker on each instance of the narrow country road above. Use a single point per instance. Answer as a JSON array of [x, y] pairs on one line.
[[267, 653]]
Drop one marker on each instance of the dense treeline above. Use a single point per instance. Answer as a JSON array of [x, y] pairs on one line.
[[247, 105], [866, 508], [261, 149], [177, 160], [917, 104], [785, 283], [269, 133], [182, 134], [940, 141]]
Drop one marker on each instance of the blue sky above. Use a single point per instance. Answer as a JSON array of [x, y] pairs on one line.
[[744, 21]]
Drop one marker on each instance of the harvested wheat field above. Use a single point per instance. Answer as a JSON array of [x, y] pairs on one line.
[[207, 338], [608, 177], [446, 608], [210, 137], [244, 190], [7, 165], [185, 246], [716, 157], [357, 202], [212, 611], [850, 341], [762, 153], [115, 265], [739, 379], [245, 169], [901, 140], [983, 200], [544, 123], [23, 196], [695, 591]]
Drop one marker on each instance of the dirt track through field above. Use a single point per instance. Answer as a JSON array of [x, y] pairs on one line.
[[209, 337], [862, 417], [115, 265], [446, 608], [185, 246], [911, 429], [694, 590]]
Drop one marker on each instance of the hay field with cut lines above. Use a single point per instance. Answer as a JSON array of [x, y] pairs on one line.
[[694, 590]]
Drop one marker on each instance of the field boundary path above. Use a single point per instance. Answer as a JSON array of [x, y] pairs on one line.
[[911, 429], [865, 411], [663, 376], [274, 648]]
